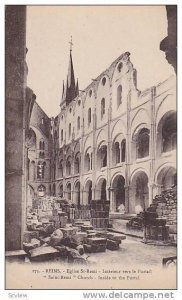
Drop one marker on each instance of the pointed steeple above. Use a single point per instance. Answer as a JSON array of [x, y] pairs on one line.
[[77, 88], [70, 87], [70, 90]]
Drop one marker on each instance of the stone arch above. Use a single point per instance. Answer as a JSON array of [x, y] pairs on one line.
[[167, 104], [118, 149], [165, 177], [88, 159], [101, 191], [118, 193], [139, 191], [61, 190], [140, 147], [31, 139], [87, 192], [166, 133], [102, 155], [68, 191], [77, 193]]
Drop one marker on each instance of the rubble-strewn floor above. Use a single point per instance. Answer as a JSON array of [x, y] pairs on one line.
[[132, 252]]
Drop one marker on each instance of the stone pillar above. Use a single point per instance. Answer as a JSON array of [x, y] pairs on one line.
[[15, 207], [112, 208], [126, 199]]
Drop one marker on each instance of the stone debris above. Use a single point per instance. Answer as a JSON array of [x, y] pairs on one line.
[[112, 245], [44, 254], [34, 243], [69, 231], [116, 236], [28, 235], [85, 228], [55, 239], [97, 244]]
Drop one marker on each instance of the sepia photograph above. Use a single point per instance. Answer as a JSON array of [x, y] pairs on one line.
[[90, 147]]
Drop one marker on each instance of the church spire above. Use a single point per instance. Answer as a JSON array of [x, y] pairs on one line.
[[77, 88], [70, 87]]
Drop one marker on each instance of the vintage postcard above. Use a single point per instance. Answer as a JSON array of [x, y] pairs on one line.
[[91, 176]]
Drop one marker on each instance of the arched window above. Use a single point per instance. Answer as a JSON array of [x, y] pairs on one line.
[[143, 143], [78, 123], [61, 168], [69, 191], [102, 156], [41, 170], [61, 190], [77, 163], [169, 133], [43, 145], [87, 162], [120, 67], [68, 166], [40, 145], [102, 107], [61, 135], [69, 130], [123, 150], [119, 95], [89, 117], [41, 154], [117, 152]]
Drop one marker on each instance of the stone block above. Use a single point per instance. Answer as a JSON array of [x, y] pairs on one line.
[[102, 234], [79, 237], [91, 231], [80, 249], [87, 248], [69, 231], [96, 241], [116, 236], [56, 237], [90, 235], [62, 250], [45, 240], [28, 235], [63, 221], [34, 243], [112, 245], [44, 254], [84, 228]]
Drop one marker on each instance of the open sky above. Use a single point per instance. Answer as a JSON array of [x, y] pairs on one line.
[[100, 34]]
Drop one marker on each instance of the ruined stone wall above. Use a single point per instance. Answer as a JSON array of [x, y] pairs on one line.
[[167, 207]]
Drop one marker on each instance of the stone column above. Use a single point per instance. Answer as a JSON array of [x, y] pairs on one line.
[[15, 207]]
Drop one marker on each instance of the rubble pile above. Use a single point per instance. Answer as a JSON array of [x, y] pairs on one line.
[[56, 239], [166, 207]]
